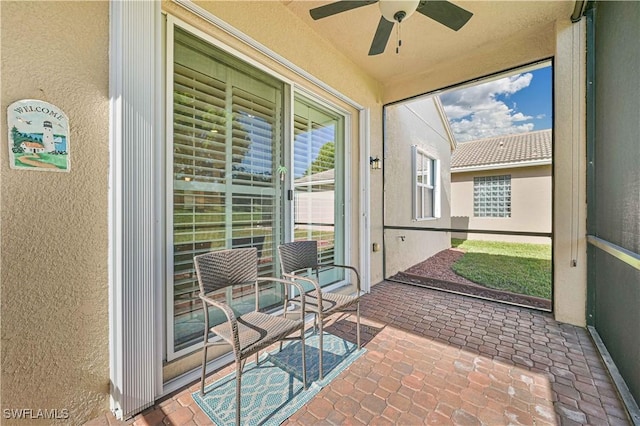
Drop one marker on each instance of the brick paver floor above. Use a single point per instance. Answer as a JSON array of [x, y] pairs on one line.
[[440, 358]]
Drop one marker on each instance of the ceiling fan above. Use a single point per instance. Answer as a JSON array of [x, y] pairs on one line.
[[444, 12]]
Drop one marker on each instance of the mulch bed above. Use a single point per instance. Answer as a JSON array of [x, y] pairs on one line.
[[436, 272]]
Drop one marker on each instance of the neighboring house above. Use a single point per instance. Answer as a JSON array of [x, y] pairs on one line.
[[417, 191], [314, 201], [503, 184], [32, 147]]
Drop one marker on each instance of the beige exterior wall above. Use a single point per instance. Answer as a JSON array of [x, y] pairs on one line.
[[406, 124], [569, 171], [531, 206], [55, 273], [55, 350]]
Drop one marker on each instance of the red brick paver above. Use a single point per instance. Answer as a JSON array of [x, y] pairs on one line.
[[439, 358]]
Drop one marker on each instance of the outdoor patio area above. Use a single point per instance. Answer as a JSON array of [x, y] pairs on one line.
[[439, 358]]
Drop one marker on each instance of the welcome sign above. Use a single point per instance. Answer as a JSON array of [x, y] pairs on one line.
[[38, 136]]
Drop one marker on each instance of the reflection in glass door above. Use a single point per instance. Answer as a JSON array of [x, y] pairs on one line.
[[318, 182], [227, 142], [227, 179]]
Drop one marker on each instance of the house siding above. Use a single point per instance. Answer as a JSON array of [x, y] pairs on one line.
[[407, 124], [531, 207]]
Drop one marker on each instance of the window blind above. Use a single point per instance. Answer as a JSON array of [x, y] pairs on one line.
[[226, 131]]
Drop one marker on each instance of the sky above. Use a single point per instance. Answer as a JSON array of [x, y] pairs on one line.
[[515, 104]]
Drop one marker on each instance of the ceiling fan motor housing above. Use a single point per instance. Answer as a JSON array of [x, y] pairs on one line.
[[397, 10]]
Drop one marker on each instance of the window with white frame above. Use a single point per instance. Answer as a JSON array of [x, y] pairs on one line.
[[492, 196], [426, 185]]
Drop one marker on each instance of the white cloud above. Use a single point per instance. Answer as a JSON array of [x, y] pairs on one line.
[[475, 113]]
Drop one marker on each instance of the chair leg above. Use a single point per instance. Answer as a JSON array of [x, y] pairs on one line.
[[204, 368], [320, 367], [358, 323], [284, 315], [238, 387], [304, 361]]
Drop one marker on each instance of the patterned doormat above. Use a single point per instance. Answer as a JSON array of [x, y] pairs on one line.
[[272, 391]]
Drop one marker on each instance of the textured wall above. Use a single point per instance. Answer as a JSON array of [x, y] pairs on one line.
[[54, 225], [418, 123], [530, 204]]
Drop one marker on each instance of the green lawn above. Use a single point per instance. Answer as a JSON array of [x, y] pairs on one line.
[[515, 267]]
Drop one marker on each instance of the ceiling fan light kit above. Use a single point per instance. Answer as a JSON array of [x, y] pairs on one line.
[[397, 10], [392, 11]]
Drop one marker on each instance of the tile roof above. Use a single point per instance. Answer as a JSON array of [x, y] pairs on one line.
[[33, 145], [514, 148]]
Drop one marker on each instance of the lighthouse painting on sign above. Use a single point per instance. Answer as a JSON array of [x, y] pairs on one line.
[[38, 136]]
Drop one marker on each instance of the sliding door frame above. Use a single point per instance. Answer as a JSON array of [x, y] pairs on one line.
[[291, 89], [127, 177]]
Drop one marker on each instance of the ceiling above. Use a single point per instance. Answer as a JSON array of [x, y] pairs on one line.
[[427, 43]]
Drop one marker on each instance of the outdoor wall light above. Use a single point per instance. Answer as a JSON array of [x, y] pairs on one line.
[[374, 162]]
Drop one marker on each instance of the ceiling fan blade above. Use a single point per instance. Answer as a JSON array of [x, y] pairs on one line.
[[338, 7], [448, 14], [381, 37]]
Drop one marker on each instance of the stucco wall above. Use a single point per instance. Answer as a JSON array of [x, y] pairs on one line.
[[55, 352], [530, 205], [569, 192], [418, 123]]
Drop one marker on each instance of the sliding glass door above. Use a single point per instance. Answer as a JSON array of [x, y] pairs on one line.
[[243, 155], [227, 139]]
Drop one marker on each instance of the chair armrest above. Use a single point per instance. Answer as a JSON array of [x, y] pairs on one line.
[[286, 282], [355, 271], [316, 285], [231, 317]]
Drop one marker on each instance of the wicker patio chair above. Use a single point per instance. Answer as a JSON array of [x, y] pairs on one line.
[[250, 332], [300, 256]]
